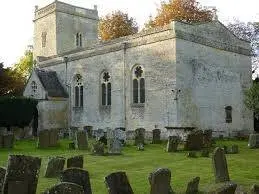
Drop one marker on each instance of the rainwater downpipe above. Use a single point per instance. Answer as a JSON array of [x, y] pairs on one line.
[[124, 83]]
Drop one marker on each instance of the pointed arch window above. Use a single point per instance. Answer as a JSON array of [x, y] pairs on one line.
[[138, 85], [106, 88], [79, 91], [78, 39]]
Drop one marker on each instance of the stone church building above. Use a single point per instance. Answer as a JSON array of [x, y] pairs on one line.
[[179, 76]]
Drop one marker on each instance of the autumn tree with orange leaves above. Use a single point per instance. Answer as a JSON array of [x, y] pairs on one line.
[[116, 25], [189, 11]]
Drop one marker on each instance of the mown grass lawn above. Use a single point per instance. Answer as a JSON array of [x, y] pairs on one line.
[[243, 167]]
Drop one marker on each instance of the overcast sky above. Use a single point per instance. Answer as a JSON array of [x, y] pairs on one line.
[[17, 27]]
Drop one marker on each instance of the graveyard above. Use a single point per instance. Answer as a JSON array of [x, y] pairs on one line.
[[139, 164]]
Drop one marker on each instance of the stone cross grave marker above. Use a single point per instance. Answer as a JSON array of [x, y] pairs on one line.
[[77, 176], [22, 174], [220, 166], [118, 183]]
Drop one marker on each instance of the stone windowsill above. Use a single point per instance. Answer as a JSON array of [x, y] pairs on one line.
[[138, 105], [78, 108]]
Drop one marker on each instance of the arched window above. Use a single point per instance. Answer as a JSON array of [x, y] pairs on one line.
[[78, 39], [33, 88], [138, 85], [228, 111], [106, 89], [79, 91]]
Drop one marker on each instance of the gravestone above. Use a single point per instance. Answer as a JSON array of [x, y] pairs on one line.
[[193, 186], [2, 175], [253, 141], [228, 188], [72, 132], [22, 173], [77, 176], [113, 142], [98, 148], [194, 140], [118, 183], [76, 162], [160, 181], [156, 136], [172, 143], [53, 137], [54, 167], [43, 139], [120, 134], [8, 140], [139, 136], [81, 141], [65, 188], [89, 131], [254, 189], [220, 166], [140, 147], [207, 138]]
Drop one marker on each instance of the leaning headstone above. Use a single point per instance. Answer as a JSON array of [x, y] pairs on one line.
[[207, 138], [8, 140], [22, 174], [228, 188], [139, 136], [140, 147], [160, 181], [98, 148], [193, 186], [254, 189], [220, 166], [43, 139], [253, 141], [81, 141], [194, 140], [76, 162], [53, 137], [65, 188], [77, 176], [156, 136], [2, 175], [118, 183], [89, 131], [172, 143], [54, 167]]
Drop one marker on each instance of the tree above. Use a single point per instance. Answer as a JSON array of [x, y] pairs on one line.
[[250, 32], [252, 98], [25, 65], [116, 25], [181, 10]]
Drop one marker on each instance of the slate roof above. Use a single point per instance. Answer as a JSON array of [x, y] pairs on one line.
[[51, 84]]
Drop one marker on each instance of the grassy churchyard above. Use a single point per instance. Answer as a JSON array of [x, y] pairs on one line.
[[243, 167]]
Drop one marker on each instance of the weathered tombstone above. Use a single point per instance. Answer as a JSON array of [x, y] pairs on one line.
[[254, 189], [220, 166], [8, 140], [43, 139], [172, 143], [54, 167], [2, 175], [120, 134], [77, 176], [193, 186], [118, 183], [98, 148], [89, 131], [22, 173], [140, 147], [156, 136], [253, 141], [194, 140], [228, 188], [160, 181], [139, 136], [65, 188], [53, 137], [113, 142], [81, 141], [207, 138], [76, 162]]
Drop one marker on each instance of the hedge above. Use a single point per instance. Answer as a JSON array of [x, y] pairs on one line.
[[16, 111]]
